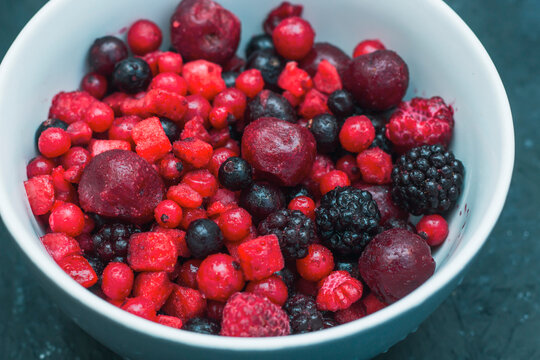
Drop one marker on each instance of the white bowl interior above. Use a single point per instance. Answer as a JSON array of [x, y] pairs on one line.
[[444, 59]]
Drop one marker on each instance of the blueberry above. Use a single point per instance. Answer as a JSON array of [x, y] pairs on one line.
[[259, 42], [203, 238], [171, 129], [341, 103], [202, 326], [49, 123], [270, 64], [325, 129], [105, 52], [235, 174], [131, 75], [261, 199], [269, 104], [230, 78]]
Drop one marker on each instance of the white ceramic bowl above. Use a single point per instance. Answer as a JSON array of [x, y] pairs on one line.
[[444, 57]]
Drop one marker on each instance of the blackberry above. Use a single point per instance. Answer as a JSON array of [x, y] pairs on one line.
[[203, 237], [202, 326], [131, 75], [112, 240], [259, 42], [303, 314], [49, 123], [347, 220], [294, 230], [428, 179], [325, 129], [235, 174]]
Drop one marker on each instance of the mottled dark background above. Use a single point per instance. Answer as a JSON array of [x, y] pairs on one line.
[[494, 314]]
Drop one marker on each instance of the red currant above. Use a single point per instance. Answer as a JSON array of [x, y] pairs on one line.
[[94, 84], [168, 214], [144, 36], [117, 281], [219, 277], [54, 142], [250, 82], [235, 224], [67, 218], [318, 263], [433, 228], [357, 134], [293, 38], [304, 204], [333, 179]]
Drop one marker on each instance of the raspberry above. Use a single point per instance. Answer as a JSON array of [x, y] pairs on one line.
[[367, 47], [193, 151], [201, 181], [303, 314], [169, 81], [375, 166], [338, 291], [54, 142], [94, 84], [188, 274], [60, 245], [283, 11], [111, 241], [273, 288], [250, 315], [347, 219], [185, 196], [171, 321], [235, 224], [260, 257], [250, 82], [427, 179], [40, 193], [117, 281], [318, 263], [314, 104], [144, 36], [219, 277], [202, 326], [293, 38], [327, 79], [333, 179], [293, 229], [154, 286], [79, 269], [169, 61], [294, 79], [151, 251], [203, 78], [141, 307], [168, 214], [357, 134], [433, 228], [353, 312], [71, 106], [67, 218], [184, 303], [303, 204], [421, 122]]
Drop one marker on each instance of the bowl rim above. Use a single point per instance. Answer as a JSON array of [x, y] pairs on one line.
[[422, 294]]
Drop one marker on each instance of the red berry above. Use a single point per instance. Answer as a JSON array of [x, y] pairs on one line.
[[318, 263], [99, 116], [367, 47], [197, 105], [67, 218], [357, 134], [203, 78], [372, 304], [304, 204], [332, 180], [295, 80], [219, 117], [185, 303], [375, 166], [188, 273], [144, 36], [193, 151], [79, 269], [40, 193], [169, 61], [260, 257], [79, 132], [54, 142], [433, 228], [194, 128], [185, 196], [218, 157], [283, 11], [327, 78], [154, 286], [219, 277], [170, 167], [170, 321], [235, 224], [60, 245], [169, 81], [250, 315], [250, 82], [117, 281], [421, 122], [201, 181], [293, 38], [273, 288], [94, 84], [348, 165], [354, 312], [76, 156], [168, 214], [39, 165], [191, 215], [314, 104], [233, 100], [141, 307], [151, 251], [338, 291], [122, 127]]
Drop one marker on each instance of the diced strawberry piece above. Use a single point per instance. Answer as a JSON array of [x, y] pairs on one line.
[[179, 238], [152, 251], [164, 103], [204, 78], [295, 80], [314, 104], [185, 303], [260, 257], [194, 128], [60, 245], [70, 106], [193, 151], [40, 193], [338, 291], [154, 286], [97, 147], [79, 269], [150, 139], [141, 307], [171, 321], [327, 79], [202, 181]]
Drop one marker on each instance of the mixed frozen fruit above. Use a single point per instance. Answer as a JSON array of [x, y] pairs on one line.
[[264, 196]]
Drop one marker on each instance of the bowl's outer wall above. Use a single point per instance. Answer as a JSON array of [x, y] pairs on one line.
[[444, 59]]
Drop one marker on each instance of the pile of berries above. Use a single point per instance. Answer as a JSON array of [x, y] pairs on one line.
[[262, 196]]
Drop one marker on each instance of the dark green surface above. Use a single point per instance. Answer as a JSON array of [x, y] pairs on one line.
[[494, 314]]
